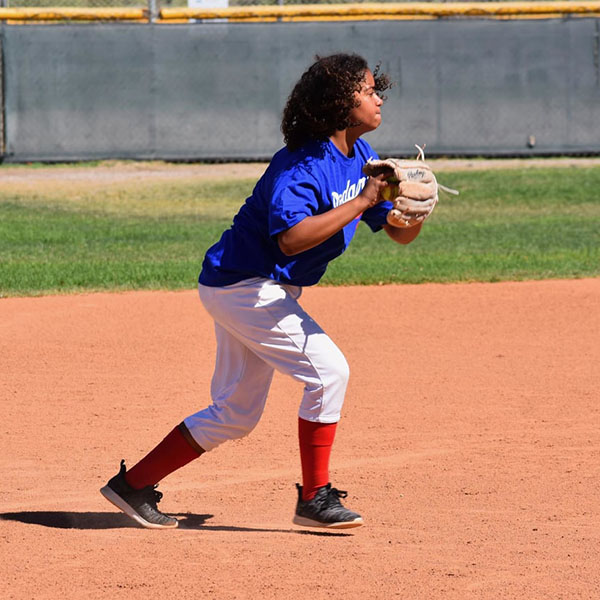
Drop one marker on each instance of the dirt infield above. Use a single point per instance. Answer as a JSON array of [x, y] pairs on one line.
[[470, 442], [115, 171]]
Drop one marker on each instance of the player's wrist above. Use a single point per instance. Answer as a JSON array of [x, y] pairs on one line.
[[366, 199]]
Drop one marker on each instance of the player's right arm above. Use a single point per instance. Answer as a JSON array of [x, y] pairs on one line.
[[314, 230]]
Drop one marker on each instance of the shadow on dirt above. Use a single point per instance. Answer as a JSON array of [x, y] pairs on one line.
[[109, 520], [72, 520]]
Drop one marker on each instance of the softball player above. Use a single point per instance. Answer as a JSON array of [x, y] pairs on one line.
[[302, 213]]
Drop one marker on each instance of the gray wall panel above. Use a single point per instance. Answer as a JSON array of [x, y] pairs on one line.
[[216, 91], [77, 92]]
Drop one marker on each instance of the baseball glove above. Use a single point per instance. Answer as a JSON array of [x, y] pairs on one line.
[[412, 188]]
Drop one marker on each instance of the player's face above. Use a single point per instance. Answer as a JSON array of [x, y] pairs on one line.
[[368, 113]]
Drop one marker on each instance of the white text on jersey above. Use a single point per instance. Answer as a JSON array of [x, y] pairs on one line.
[[349, 193]]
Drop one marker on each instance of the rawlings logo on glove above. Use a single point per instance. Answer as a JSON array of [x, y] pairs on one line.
[[412, 188]]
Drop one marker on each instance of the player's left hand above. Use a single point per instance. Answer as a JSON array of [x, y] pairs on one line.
[[411, 187]]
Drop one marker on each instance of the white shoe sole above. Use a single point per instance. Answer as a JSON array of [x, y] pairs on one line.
[[115, 499], [305, 522]]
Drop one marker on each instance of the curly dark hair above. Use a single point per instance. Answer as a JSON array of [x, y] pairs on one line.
[[321, 101]]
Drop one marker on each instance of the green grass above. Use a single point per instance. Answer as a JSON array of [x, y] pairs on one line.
[[506, 225]]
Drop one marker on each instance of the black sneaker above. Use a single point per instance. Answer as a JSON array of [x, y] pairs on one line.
[[140, 505], [325, 510]]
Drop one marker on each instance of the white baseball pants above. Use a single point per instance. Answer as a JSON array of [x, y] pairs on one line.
[[261, 327]]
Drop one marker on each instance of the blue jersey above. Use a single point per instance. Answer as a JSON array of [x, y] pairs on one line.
[[296, 185]]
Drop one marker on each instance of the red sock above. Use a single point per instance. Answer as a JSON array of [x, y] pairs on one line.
[[175, 451], [316, 440]]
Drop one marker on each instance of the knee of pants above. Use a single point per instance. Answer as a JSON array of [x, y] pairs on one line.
[[217, 424], [323, 399], [337, 375]]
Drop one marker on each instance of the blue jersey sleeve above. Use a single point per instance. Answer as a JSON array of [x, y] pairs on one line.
[[295, 197], [375, 216]]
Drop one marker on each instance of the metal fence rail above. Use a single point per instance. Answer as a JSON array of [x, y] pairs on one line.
[[178, 10], [180, 3]]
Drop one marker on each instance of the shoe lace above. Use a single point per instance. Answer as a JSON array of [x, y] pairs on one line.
[[339, 493], [153, 495], [333, 497]]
